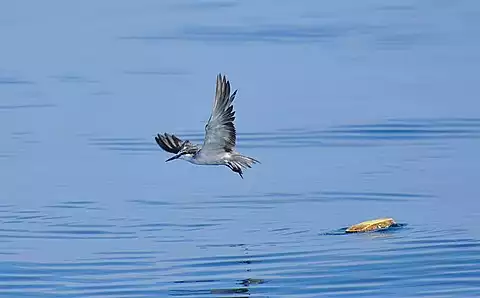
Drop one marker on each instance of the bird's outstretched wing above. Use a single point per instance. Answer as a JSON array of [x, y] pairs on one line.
[[169, 143], [220, 131]]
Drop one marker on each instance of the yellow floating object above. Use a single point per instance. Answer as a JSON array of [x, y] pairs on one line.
[[371, 225]]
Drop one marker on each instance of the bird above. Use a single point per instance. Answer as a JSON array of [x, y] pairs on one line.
[[218, 147]]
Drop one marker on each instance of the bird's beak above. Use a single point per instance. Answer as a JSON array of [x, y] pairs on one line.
[[174, 157]]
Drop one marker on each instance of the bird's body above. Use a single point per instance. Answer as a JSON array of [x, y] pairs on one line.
[[220, 136]]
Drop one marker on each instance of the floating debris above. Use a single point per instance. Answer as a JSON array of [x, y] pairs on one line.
[[372, 225]]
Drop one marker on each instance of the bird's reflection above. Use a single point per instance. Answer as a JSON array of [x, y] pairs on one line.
[[241, 286]]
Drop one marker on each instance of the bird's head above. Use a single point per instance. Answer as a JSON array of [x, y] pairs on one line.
[[187, 151]]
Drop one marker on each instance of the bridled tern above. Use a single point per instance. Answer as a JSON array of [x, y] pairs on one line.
[[220, 136]]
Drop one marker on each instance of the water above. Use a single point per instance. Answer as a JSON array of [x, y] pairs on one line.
[[357, 110]]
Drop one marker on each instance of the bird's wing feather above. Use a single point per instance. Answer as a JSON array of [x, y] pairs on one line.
[[169, 143], [220, 130]]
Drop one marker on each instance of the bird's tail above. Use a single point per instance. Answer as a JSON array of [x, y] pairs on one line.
[[238, 161]]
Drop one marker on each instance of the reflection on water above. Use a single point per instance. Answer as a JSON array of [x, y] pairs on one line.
[[357, 110], [283, 262], [418, 264]]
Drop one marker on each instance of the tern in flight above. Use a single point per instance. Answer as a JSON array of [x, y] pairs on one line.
[[220, 136]]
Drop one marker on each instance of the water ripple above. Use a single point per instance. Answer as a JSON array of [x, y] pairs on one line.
[[78, 218], [10, 80], [25, 106], [384, 264], [397, 132], [386, 35], [415, 261], [271, 199], [74, 78]]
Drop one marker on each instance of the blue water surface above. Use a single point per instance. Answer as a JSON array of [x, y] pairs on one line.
[[356, 109]]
